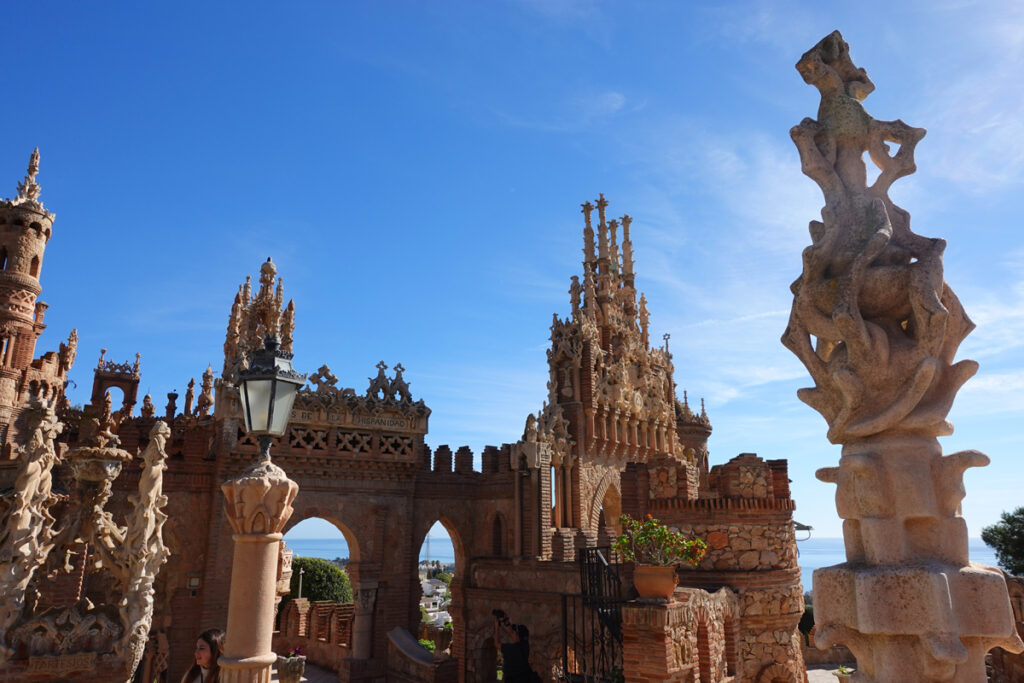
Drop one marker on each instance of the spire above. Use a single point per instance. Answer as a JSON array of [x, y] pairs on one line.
[[588, 234], [645, 319], [247, 290], [613, 251], [28, 189], [627, 250], [589, 291], [602, 234]]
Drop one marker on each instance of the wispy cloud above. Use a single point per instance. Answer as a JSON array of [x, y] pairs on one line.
[[980, 117], [573, 113]]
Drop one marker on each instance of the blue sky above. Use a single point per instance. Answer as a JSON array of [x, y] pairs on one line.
[[416, 170]]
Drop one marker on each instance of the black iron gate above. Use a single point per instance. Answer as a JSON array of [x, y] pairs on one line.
[[592, 621]]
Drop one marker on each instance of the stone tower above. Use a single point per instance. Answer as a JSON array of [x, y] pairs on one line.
[[610, 392], [25, 229]]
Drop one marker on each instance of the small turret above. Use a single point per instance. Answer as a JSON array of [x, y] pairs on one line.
[[25, 230]]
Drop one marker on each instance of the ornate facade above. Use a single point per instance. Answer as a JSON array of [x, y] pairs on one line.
[[612, 437]]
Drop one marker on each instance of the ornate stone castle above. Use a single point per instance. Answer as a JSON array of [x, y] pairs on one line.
[[527, 526]]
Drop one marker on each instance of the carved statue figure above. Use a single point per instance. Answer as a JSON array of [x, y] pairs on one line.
[[148, 409], [144, 551], [205, 401], [67, 352], [878, 328], [190, 394], [27, 531]]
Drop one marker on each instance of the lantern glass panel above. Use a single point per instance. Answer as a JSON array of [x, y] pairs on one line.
[[255, 396], [284, 397]]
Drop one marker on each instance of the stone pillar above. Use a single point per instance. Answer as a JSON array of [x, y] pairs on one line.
[[650, 631], [362, 621], [258, 504]]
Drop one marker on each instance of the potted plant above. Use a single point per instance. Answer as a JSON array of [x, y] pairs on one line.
[[656, 550], [843, 673], [291, 667]]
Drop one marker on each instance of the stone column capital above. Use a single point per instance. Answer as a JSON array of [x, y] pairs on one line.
[[259, 501]]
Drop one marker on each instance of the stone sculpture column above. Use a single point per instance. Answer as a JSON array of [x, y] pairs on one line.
[[362, 620], [258, 504], [878, 328]]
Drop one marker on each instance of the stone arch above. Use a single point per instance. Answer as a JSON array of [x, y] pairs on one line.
[[104, 380], [351, 538], [455, 533], [607, 491], [704, 661], [776, 673], [459, 530]]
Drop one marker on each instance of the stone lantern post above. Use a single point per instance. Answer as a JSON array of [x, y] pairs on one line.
[[258, 505]]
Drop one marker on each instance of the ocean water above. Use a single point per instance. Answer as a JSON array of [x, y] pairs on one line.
[[814, 552]]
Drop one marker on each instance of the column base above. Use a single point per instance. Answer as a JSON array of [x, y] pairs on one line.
[[247, 670]]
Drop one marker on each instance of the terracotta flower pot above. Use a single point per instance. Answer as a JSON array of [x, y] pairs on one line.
[[290, 669], [654, 582]]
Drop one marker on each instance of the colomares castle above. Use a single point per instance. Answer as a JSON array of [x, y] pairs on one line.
[[127, 528]]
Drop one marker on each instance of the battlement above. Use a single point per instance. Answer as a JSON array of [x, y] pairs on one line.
[[493, 460]]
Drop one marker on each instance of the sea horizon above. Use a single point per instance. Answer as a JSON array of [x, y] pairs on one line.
[[814, 552]]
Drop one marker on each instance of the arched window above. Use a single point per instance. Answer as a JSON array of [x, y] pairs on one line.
[[34, 269], [3, 258]]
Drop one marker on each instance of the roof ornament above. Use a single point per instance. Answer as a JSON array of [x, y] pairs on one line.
[[28, 189]]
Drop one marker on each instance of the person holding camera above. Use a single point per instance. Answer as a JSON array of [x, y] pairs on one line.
[[513, 641]]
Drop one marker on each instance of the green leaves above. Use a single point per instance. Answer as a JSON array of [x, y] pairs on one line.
[[650, 542], [321, 580], [1007, 538]]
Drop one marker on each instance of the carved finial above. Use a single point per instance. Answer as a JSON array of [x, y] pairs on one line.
[[666, 337], [103, 353], [588, 234], [28, 189], [613, 245], [686, 401], [172, 406], [602, 229], [589, 289], [627, 250], [645, 320], [574, 294], [380, 385], [190, 394], [138, 361], [288, 326]]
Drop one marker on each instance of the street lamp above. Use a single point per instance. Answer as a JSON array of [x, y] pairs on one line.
[[267, 389]]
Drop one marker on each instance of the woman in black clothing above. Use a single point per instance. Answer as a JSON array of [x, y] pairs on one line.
[[513, 641]]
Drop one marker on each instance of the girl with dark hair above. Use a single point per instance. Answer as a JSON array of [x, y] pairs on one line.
[[209, 647]]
